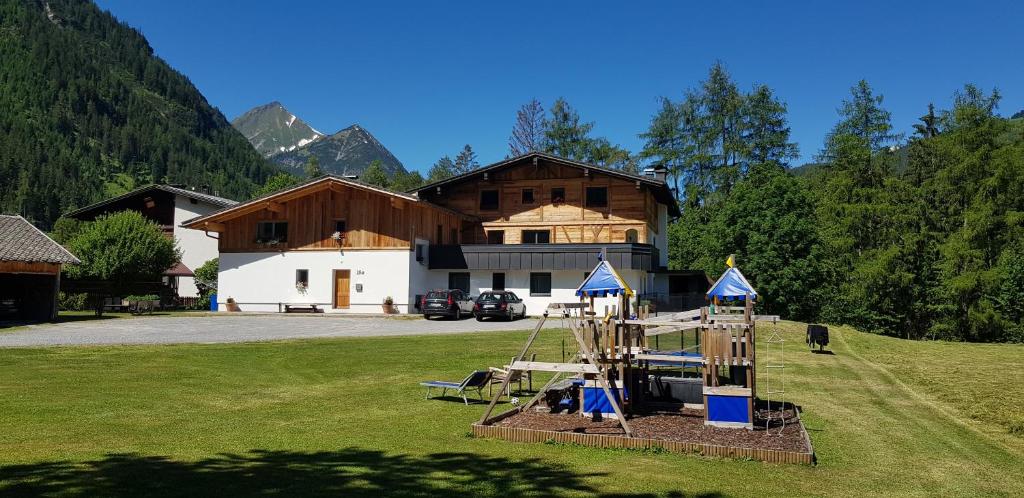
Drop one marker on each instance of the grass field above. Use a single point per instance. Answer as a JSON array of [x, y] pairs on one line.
[[346, 417]]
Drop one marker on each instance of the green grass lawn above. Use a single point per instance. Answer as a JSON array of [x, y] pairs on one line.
[[345, 417]]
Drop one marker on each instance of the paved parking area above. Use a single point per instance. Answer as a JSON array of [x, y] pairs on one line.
[[242, 328]]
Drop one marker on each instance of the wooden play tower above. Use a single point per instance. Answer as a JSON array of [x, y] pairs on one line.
[[613, 363]]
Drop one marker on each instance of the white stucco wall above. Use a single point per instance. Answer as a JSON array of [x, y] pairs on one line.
[[563, 286], [196, 247], [259, 281]]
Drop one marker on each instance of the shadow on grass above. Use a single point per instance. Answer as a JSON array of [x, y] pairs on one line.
[[351, 472]]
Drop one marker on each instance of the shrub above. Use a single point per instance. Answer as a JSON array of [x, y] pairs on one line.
[[72, 301]]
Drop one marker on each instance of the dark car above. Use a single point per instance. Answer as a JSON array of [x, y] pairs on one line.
[[499, 304], [451, 303]]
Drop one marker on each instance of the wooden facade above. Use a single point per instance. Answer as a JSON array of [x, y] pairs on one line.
[[528, 200], [29, 267], [371, 218]]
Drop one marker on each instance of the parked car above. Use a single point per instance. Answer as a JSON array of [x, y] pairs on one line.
[[499, 304], [446, 302]]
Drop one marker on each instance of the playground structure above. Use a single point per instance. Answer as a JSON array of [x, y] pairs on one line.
[[614, 365]]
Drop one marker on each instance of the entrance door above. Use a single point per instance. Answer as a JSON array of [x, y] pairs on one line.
[[342, 279]]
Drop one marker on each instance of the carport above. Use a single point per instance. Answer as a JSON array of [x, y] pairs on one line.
[[30, 265]]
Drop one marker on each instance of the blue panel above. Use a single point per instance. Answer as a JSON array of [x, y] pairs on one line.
[[728, 409], [213, 301], [594, 400]]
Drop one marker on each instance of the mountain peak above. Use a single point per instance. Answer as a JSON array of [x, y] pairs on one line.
[[273, 129], [349, 151]]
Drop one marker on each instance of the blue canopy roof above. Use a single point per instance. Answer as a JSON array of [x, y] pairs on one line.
[[603, 281], [732, 285]]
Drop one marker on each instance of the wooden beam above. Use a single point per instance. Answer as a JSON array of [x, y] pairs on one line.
[[397, 203], [508, 378], [668, 358], [541, 366], [275, 207], [213, 226]]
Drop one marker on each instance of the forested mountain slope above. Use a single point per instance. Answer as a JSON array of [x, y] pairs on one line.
[[89, 111]]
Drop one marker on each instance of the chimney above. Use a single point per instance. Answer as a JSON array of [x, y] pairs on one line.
[[657, 171]]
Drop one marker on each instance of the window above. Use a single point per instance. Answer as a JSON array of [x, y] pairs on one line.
[[540, 284], [498, 281], [340, 226], [496, 237], [459, 280], [419, 252], [527, 196], [440, 235], [631, 236], [512, 296], [453, 235], [272, 231], [488, 200], [557, 195], [301, 279], [597, 197], [536, 237]]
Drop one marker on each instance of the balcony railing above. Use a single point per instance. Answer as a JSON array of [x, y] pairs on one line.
[[541, 256]]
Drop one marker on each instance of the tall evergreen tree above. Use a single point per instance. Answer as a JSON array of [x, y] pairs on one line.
[[722, 105], [929, 124], [465, 161], [666, 142], [765, 133], [566, 136], [312, 168], [375, 174], [443, 169], [528, 134], [864, 119]]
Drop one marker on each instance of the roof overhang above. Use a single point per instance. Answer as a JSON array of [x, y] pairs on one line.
[[199, 196], [274, 202]]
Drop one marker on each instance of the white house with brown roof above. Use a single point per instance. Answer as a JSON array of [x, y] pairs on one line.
[[168, 206]]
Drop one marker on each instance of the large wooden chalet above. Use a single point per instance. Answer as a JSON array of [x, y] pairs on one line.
[[533, 224]]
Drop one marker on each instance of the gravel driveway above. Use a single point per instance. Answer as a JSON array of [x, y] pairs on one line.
[[242, 328]]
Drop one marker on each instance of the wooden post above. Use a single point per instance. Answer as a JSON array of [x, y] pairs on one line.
[[505, 381], [602, 379]]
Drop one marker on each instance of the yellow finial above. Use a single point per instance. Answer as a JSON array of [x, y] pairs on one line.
[[731, 261]]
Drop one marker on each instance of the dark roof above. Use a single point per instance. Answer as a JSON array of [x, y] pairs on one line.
[[660, 188], [341, 179], [192, 194], [22, 241]]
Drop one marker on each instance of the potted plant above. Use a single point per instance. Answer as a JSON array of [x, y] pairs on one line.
[[338, 238], [232, 306], [302, 287], [389, 305]]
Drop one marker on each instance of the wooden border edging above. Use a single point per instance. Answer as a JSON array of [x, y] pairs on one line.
[[521, 435]]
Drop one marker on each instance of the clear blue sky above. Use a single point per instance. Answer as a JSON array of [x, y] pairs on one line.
[[427, 77]]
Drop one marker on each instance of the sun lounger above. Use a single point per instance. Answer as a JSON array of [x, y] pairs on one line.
[[476, 380]]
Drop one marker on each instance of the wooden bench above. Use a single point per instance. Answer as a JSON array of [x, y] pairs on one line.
[[302, 308]]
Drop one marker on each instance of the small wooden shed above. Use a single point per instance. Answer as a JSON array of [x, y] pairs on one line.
[[30, 264]]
